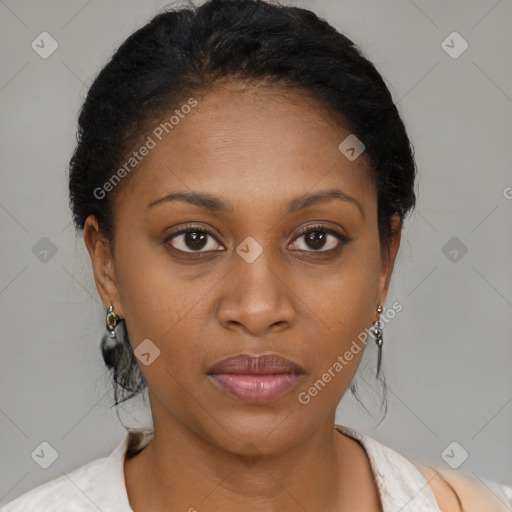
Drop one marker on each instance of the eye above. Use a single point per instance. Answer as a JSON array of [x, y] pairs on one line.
[[316, 239], [319, 237], [194, 239]]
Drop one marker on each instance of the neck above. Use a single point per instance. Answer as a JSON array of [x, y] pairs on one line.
[[180, 470]]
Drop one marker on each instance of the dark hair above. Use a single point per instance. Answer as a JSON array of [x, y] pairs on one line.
[[183, 52]]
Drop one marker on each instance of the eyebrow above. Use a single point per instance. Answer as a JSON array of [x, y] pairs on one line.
[[216, 204]]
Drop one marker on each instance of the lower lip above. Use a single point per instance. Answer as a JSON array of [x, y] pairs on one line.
[[256, 388]]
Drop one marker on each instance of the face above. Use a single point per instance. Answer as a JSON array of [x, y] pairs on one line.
[[246, 266]]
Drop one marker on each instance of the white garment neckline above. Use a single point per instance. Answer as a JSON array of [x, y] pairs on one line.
[[100, 484], [400, 484]]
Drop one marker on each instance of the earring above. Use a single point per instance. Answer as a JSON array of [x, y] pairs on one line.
[[112, 342], [379, 340]]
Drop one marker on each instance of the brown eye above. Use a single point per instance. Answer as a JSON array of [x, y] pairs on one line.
[[192, 240], [320, 239]]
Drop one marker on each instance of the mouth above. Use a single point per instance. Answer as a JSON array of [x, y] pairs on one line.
[[256, 378]]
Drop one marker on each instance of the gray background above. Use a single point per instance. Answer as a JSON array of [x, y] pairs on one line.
[[447, 354]]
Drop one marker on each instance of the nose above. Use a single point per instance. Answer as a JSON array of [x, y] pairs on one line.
[[257, 298]]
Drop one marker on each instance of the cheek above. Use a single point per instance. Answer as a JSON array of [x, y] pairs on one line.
[[343, 307], [165, 304], [345, 300], [146, 288]]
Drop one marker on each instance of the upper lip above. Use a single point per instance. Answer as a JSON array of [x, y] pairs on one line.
[[248, 364]]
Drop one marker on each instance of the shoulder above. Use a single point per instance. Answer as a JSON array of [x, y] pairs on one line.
[[62, 493], [92, 486], [459, 492]]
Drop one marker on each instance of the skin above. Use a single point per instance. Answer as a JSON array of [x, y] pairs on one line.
[[256, 150]]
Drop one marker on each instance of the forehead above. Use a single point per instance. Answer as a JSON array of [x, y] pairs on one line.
[[248, 145]]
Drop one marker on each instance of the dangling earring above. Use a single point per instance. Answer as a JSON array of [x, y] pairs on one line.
[[112, 342], [379, 340]]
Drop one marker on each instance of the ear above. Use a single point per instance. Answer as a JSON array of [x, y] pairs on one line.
[[100, 251], [388, 259]]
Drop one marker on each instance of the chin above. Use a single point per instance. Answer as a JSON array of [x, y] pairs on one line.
[[243, 430]]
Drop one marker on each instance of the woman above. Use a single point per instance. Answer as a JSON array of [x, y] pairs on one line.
[[241, 178]]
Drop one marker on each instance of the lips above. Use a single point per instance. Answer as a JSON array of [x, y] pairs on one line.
[[256, 379], [247, 364]]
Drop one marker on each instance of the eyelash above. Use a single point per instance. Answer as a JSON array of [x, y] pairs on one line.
[[343, 240]]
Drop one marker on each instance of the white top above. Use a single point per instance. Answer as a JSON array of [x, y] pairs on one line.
[[100, 484]]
